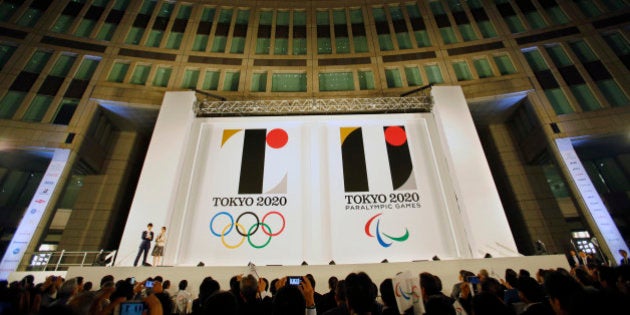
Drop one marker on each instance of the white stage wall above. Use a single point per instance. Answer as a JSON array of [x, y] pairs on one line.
[[348, 188]]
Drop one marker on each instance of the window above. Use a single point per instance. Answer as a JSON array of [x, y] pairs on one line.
[[504, 64], [63, 65], [366, 80], [38, 107], [342, 41], [418, 26], [237, 46], [358, 31], [324, 44], [434, 75], [263, 40], [37, 62], [619, 45], [222, 30], [10, 103], [140, 74], [7, 9], [177, 32], [65, 111], [259, 82], [6, 51], [87, 68], [211, 80], [230, 82], [162, 75], [336, 81], [484, 70], [400, 27], [299, 33], [382, 29], [393, 78], [200, 42], [118, 72], [414, 78], [548, 82], [191, 76], [462, 71], [281, 44], [288, 82]]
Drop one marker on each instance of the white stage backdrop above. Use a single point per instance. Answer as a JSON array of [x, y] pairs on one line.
[[283, 190]]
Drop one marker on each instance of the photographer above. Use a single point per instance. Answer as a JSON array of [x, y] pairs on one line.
[[293, 298]]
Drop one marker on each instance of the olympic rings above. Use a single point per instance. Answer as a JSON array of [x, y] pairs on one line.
[[246, 233]]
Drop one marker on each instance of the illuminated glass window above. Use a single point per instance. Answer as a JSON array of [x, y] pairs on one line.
[[619, 45], [555, 12], [62, 24], [478, 12], [141, 23], [118, 72], [38, 108], [259, 82], [191, 76], [6, 51], [324, 45], [299, 33], [504, 64], [222, 31], [179, 27], [237, 46], [434, 74], [230, 82], [342, 41], [37, 62], [263, 40], [63, 65], [10, 103], [288, 82], [548, 82], [211, 80], [140, 74], [336, 81], [87, 68], [598, 72], [366, 80], [382, 29], [532, 16], [482, 65], [33, 13], [203, 30], [614, 5], [281, 44], [462, 71], [162, 75], [510, 17], [400, 27], [444, 24], [417, 24], [414, 78], [393, 78], [358, 31], [462, 21]]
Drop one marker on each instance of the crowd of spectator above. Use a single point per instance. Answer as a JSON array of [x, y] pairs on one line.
[[597, 289]]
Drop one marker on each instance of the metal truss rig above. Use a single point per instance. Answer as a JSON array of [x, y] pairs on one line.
[[336, 106]]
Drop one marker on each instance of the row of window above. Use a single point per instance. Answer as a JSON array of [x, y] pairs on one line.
[[564, 70], [161, 23], [339, 80]]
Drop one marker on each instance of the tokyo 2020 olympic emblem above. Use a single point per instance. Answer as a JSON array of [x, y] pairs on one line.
[[219, 230]]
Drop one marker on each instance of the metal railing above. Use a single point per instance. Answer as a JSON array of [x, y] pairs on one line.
[[62, 260]]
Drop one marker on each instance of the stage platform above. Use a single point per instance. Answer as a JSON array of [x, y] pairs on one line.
[[447, 270]]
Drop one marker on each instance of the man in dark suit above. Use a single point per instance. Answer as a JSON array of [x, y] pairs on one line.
[[145, 245], [624, 260]]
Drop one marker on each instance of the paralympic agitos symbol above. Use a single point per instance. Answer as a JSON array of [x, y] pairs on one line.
[[245, 233], [379, 235]]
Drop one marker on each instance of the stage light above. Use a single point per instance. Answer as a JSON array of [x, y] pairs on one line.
[[304, 263], [487, 255], [435, 257], [200, 264], [332, 262], [384, 261]]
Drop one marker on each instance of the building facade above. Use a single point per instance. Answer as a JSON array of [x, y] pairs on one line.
[[89, 75]]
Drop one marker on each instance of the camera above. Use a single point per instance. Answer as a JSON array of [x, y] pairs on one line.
[[294, 280], [132, 280], [148, 284], [132, 308], [472, 279]]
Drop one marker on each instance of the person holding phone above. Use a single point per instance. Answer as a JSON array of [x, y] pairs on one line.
[[145, 245]]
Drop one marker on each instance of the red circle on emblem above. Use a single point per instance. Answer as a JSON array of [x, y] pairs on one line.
[[395, 136], [277, 138]]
